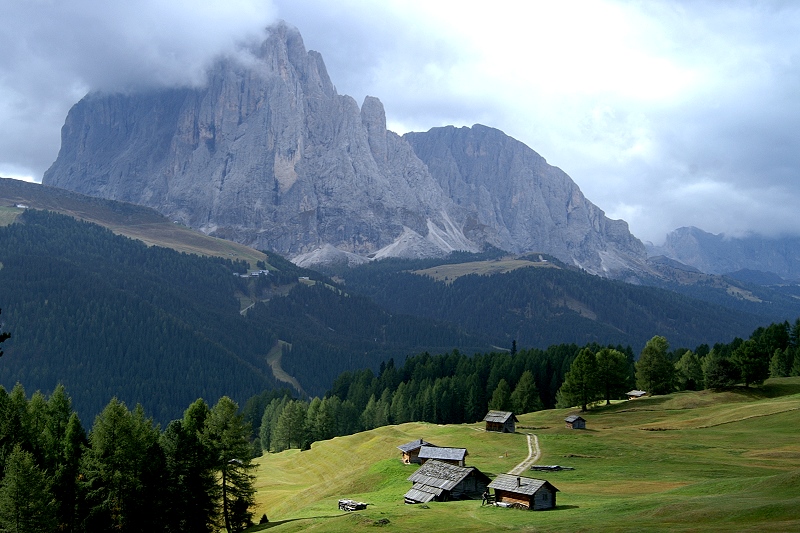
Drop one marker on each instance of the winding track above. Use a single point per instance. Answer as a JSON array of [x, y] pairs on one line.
[[533, 455]]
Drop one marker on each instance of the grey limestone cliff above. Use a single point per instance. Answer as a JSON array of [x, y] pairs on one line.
[[269, 155]]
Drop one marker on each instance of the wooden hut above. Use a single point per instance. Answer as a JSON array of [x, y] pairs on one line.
[[502, 421], [632, 395], [410, 450], [439, 481], [453, 456], [575, 422], [518, 491]]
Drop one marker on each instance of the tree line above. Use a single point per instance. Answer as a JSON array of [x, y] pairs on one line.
[[770, 351], [455, 388], [125, 474]]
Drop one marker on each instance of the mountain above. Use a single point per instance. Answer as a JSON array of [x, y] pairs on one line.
[[720, 254], [268, 154]]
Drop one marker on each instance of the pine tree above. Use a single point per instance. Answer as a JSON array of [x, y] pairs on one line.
[[120, 457], [501, 397], [753, 362], [26, 503], [613, 371], [655, 373], [580, 385], [689, 372], [525, 397], [227, 437]]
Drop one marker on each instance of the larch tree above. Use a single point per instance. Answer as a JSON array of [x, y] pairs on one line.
[[226, 435], [580, 385], [525, 397], [26, 503], [613, 372], [655, 373], [501, 397]]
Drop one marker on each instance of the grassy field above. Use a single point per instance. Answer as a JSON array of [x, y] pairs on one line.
[[693, 461], [449, 273]]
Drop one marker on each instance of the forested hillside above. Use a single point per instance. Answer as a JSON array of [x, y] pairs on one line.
[[540, 307], [107, 316]]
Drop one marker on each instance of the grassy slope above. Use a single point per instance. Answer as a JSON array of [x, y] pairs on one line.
[[683, 462], [130, 220]]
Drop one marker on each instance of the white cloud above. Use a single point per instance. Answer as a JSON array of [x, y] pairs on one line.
[[666, 113]]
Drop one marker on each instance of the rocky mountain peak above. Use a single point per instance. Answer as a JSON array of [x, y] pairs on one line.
[[269, 155]]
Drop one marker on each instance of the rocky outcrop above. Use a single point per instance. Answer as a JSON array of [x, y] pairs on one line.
[[269, 155], [517, 202], [719, 254]]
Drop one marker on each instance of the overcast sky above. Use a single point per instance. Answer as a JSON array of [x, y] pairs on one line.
[[665, 113]]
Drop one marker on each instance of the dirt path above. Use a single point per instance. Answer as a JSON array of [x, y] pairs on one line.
[[533, 455], [274, 362]]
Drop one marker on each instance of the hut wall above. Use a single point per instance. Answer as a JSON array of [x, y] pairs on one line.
[[511, 497], [544, 499]]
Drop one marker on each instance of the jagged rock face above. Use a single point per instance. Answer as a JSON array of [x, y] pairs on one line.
[[269, 155], [520, 203], [718, 254]]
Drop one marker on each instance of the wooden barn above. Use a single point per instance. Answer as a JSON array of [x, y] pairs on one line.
[[575, 422], [517, 491], [453, 456], [439, 481], [502, 421], [632, 395], [410, 450]]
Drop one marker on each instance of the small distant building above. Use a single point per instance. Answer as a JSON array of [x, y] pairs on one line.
[[453, 456], [575, 422], [518, 491], [502, 421], [439, 481], [410, 450], [632, 395]]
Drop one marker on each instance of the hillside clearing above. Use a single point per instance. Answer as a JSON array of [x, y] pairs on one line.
[[449, 273], [708, 463]]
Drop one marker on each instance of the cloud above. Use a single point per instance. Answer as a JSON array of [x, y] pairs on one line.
[[56, 51], [666, 113]]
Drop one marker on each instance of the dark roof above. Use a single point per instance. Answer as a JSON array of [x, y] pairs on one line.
[[445, 454], [573, 418], [499, 416], [439, 475], [413, 445], [519, 484], [422, 493]]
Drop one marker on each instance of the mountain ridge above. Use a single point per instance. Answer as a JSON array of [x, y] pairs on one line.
[[268, 154]]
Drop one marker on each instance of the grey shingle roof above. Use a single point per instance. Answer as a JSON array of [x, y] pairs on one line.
[[573, 418], [444, 454], [525, 485], [440, 475], [413, 445], [422, 493], [499, 416], [637, 393]]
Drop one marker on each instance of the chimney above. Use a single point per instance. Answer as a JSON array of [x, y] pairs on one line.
[[518, 482]]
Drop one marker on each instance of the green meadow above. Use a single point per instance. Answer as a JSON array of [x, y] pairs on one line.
[[690, 461]]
